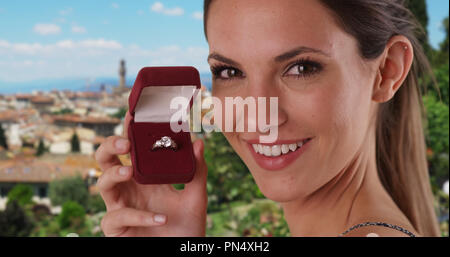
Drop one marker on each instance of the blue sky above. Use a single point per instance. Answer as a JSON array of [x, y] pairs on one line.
[[58, 39]]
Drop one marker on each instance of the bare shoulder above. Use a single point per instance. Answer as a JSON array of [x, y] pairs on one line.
[[380, 230]]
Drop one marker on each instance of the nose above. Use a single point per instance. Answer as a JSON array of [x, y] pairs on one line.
[[269, 111]]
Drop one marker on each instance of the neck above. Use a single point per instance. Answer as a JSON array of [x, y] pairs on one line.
[[334, 207]]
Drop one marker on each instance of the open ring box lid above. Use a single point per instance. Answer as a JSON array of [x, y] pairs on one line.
[[149, 106]]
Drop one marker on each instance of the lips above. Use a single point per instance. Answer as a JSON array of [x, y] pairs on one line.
[[278, 155]]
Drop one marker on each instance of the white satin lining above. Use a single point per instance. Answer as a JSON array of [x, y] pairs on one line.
[[154, 102]]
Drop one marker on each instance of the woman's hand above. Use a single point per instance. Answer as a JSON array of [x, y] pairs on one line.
[[149, 210]]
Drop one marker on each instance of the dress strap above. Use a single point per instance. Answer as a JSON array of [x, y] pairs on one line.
[[378, 224]]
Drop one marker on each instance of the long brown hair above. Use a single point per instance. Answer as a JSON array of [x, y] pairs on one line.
[[400, 142]]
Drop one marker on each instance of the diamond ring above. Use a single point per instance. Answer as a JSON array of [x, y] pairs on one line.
[[165, 142]]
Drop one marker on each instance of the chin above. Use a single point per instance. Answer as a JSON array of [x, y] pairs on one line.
[[279, 189]]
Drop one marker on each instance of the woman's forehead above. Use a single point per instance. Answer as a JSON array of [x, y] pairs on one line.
[[270, 26]]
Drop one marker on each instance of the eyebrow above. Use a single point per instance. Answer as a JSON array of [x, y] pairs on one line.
[[280, 58], [298, 50]]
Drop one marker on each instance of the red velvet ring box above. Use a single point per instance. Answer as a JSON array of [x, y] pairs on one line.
[[149, 106]]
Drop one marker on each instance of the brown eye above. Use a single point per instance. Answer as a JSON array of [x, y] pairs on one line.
[[303, 69], [300, 69], [225, 72], [228, 73]]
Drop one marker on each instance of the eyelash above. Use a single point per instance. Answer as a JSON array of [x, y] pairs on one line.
[[317, 67]]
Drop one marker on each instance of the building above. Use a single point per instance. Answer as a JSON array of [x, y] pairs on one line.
[[42, 103], [103, 126], [122, 87], [35, 173]]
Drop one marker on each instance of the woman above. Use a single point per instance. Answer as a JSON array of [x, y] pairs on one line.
[[345, 74]]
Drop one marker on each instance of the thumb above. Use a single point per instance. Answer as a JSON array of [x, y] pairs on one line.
[[198, 183], [126, 123]]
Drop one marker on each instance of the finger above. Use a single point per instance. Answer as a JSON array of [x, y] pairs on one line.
[[116, 222], [198, 183], [109, 179], [126, 123], [106, 154]]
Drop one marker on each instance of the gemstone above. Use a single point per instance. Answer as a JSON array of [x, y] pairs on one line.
[[166, 141]]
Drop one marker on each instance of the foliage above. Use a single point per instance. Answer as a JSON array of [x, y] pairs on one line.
[[21, 193], [41, 148], [72, 215], [120, 114], [75, 143], [228, 177], [437, 124], [69, 189], [95, 204], [258, 218], [441, 56], [63, 111], [3, 141], [419, 9], [14, 221]]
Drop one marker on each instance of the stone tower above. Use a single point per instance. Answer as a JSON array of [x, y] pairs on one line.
[[122, 73]]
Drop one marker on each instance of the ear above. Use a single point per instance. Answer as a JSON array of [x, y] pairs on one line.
[[393, 68]]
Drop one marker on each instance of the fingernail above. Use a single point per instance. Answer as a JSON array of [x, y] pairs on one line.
[[160, 218], [121, 144], [123, 171]]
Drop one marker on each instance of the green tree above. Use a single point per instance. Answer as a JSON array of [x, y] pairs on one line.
[[442, 55], [14, 222], [69, 189], [72, 215], [3, 141], [444, 44], [75, 143], [120, 114], [41, 148], [228, 177], [21, 193], [437, 137], [95, 204], [419, 9]]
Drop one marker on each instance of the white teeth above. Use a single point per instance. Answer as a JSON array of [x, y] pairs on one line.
[[267, 150], [260, 149], [292, 147], [276, 150], [284, 149]]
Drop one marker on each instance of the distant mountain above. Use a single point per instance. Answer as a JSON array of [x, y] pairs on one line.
[[74, 84]]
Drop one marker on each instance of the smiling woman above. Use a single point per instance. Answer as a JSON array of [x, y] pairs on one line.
[[349, 159], [350, 70]]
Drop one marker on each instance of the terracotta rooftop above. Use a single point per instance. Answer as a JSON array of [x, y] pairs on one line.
[[34, 171], [79, 119], [42, 99]]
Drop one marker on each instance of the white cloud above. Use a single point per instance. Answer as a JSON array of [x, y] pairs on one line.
[[66, 11], [46, 29], [158, 7], [78, 29], [89, 58], [115, 5], [197, 15]]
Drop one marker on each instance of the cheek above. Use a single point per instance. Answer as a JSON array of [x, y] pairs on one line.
[[342, 121]]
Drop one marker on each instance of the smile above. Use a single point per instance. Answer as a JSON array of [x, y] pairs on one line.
[[278, 156], [277, 150]]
